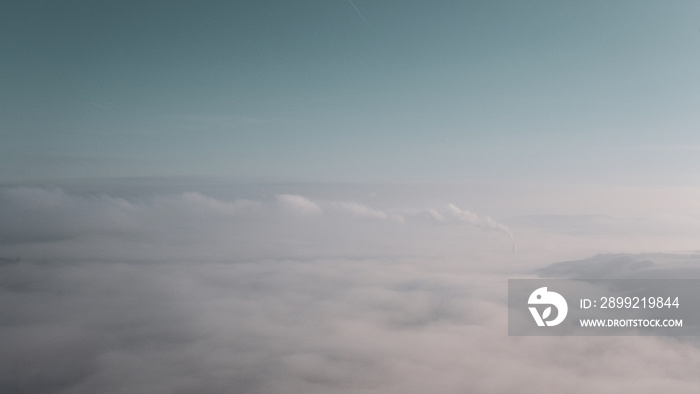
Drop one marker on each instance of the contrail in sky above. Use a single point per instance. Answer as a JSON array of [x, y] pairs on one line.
[[99, 106], [358, 12]]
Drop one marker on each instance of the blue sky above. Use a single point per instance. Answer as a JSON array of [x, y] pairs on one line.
[[313, 91]]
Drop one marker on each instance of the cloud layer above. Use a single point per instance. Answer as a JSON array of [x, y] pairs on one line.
[[187, 293]]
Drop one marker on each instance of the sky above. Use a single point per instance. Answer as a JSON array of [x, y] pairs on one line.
[[331, 196], [321, 91]]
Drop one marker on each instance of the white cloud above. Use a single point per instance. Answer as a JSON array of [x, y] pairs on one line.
[[483, 222], [190, 293], [193, 200], [435, 215], [298, 203], [361, 210]]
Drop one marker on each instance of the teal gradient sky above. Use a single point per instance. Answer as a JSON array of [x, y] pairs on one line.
[[594, 91]]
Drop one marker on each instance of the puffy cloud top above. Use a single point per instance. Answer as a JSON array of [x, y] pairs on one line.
[[298, 203]]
